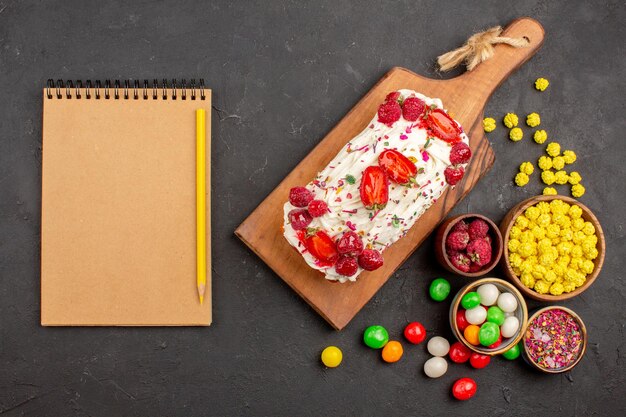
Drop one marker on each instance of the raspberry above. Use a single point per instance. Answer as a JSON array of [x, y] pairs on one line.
[[413, 108], [300, 196], [389, 112], [299, 219], [370, 259], [460, 226], [346, 266], [318, 208], [479, 251], [460, 261], [460, 153], [350, 244], [454, 174], [393, 96], [474, 267], [457, 240], [478, 229]]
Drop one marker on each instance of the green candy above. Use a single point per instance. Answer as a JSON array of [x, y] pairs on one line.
[[488, 333], [375, 337], [495, 315], [470, 300], [512, 353], [439, 289]]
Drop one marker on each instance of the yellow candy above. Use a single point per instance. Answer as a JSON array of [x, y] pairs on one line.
[[569, 157], [332, 356], [527, 168], [510, 120], [540, 136], [533, 120], [578, 190], [574, 178], [489, 124], [549, 191], [549, 276], [587, 267], [553, 149], [547, 177], [514, 245], [544, 220], [568, 287], [538, 232], [558, 162], [588, 229], [561, 177], [516, 134], [515, 232], [541, 84], [532, 213], [556, 288], [544, 207], [577, 251], [544, 163], [542, 286], [574, 211], [521, 179], [527, 279]]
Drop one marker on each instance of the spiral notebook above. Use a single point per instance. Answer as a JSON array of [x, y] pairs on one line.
[[118, 218]]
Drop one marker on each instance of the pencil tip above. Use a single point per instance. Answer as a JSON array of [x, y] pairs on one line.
[[201, 299]]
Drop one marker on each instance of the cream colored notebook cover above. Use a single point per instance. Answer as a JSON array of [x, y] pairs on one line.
[[118, 226]]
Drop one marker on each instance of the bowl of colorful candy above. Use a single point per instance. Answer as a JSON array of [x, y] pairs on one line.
[[555, 340], [468, 244], [488, 316], [553, 247]]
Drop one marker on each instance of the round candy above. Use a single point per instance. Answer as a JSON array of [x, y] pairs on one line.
[[461, 321], [479, 361], [464, 389], [459, 353], [496, 343], [435, 367], [438, 346], [439, 289], [476, 315], [470, 300], [488, 334], [510, 326], [513, 353], [415, 333], [495, 315], [471, 334], [488, 294], [375, 336], [332, 356], [392, 352], [507, 302]]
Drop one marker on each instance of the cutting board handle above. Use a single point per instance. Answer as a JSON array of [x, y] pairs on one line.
[[488, 75]]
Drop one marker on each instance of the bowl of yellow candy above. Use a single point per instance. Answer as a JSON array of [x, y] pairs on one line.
[[553, 247]]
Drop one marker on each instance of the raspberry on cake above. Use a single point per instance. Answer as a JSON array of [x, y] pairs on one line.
[[377, 186]]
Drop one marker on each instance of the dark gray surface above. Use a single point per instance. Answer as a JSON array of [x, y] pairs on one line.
[[283, 74]]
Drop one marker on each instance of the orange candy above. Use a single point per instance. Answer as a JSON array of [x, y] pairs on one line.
[[471, 334], [392, 352]]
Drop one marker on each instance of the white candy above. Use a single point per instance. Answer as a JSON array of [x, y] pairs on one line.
[[509, 327], [507, 302], [476, 315], [488, 294], [438, 346], [435, 367]]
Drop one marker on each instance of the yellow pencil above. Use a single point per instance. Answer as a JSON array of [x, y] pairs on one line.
[[201, 202]]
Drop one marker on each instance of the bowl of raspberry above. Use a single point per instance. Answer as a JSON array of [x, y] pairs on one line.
[[468, 244]]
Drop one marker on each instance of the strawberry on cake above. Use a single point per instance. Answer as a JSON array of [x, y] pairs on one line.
[[377, 186]]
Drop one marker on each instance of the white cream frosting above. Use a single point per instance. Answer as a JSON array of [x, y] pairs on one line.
[[406, 205]]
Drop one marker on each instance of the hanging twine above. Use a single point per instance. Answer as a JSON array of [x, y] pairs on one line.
[[478, 48]]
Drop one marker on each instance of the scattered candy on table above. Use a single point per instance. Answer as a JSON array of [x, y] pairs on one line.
[[540, 136], [464, 389], [516, 134], [527, 168], [438, 346], [435, 367], [549, 191], [521, 179], [415, 332], [332, 356], [510, 120], [439, 289], [375, 336], [392, 352], [459, 353], [541, 84], [479, 361], [489, 124], [512, 353], [533, 120], [553, 339], [553, 149]]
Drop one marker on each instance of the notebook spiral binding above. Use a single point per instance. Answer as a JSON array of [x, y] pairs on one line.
[[146, 91]]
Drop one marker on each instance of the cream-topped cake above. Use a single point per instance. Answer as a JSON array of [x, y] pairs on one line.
[[377, 186]]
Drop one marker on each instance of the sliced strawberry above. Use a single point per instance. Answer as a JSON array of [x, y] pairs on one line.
[[443, 126], [321, 246], [374, 188], [397, 166]]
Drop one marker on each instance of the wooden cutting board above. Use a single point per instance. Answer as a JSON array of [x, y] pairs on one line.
[[465, 97]]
